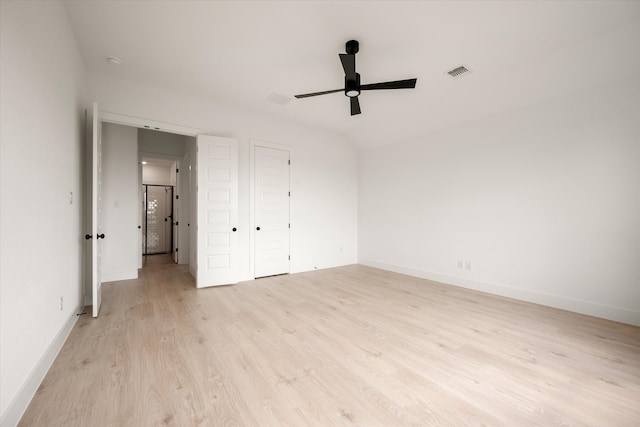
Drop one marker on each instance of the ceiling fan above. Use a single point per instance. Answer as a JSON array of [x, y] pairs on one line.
[[352, 86]]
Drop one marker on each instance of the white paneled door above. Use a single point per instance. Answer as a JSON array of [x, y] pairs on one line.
[[175, 213], [96, 211], [217, 211], [271, 192]]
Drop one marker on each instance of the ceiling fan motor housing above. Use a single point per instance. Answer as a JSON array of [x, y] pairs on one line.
[[352, 86], [352, 47]]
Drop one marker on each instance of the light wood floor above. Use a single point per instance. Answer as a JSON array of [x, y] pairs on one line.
[[345, 346]]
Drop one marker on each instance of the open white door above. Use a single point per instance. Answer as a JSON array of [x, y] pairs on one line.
[[175, 214], [141, 213], [217, 210], [96, 211]]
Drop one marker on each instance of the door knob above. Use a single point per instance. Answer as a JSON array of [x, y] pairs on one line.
[[101, 236], [258, 228], [87, 236], [234, 229]]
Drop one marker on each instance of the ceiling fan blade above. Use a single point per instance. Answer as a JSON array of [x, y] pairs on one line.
[[307, 95], [355, 106], [349, 65], [398, 84]]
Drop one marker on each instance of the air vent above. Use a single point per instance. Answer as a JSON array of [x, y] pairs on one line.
[[279, 99], [457, 72]]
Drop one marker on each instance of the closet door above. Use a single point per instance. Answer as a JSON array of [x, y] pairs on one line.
[[271, 174], [217, 210]]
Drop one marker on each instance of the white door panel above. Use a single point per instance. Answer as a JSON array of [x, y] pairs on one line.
[[175, 213], [96, 212], [271, 194], [217, 210]]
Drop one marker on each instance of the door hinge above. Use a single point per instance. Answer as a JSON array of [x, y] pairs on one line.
[[177, 223], [177, 170], [289, 193], [177, 196], [289, 225], [289, 162], [289, 257], [176, 249]]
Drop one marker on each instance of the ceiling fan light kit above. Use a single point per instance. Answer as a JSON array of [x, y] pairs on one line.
[[352, 86]]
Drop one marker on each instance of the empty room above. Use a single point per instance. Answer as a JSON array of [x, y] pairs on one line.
[[319, 213]]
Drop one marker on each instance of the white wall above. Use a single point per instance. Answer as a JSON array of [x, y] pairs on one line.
[[324, 168], [190, 167], [157, 174], [120, 202], [544, 203], [42, 116], [152, 141], [184, 189]]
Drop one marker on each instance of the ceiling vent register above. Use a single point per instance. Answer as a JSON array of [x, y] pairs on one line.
[[457, 72], [278, 98]]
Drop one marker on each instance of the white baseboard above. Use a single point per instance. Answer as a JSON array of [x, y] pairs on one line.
[[617, 314], [303, 268], [115, 276], [20, 402]]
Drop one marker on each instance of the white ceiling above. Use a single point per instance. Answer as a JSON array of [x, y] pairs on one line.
[[240, 52]]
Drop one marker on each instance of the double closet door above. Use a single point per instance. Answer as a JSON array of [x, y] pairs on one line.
[[217, 224]]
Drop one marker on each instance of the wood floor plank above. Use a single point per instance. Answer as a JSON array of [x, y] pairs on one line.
[[346, 346]]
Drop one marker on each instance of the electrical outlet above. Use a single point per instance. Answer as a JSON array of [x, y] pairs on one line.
[[467, 265], [61, 303]]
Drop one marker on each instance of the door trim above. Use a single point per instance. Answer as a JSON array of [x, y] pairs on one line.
[[176, 191], [253, 143], [138, 122], [146, 220]]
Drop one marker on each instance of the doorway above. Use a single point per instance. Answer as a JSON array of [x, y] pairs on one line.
[[157, 228], [133, 138]]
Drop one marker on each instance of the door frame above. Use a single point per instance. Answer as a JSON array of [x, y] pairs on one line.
[[172, 237], [136, 122], [139, 122], [253, 143], [177, 190]]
